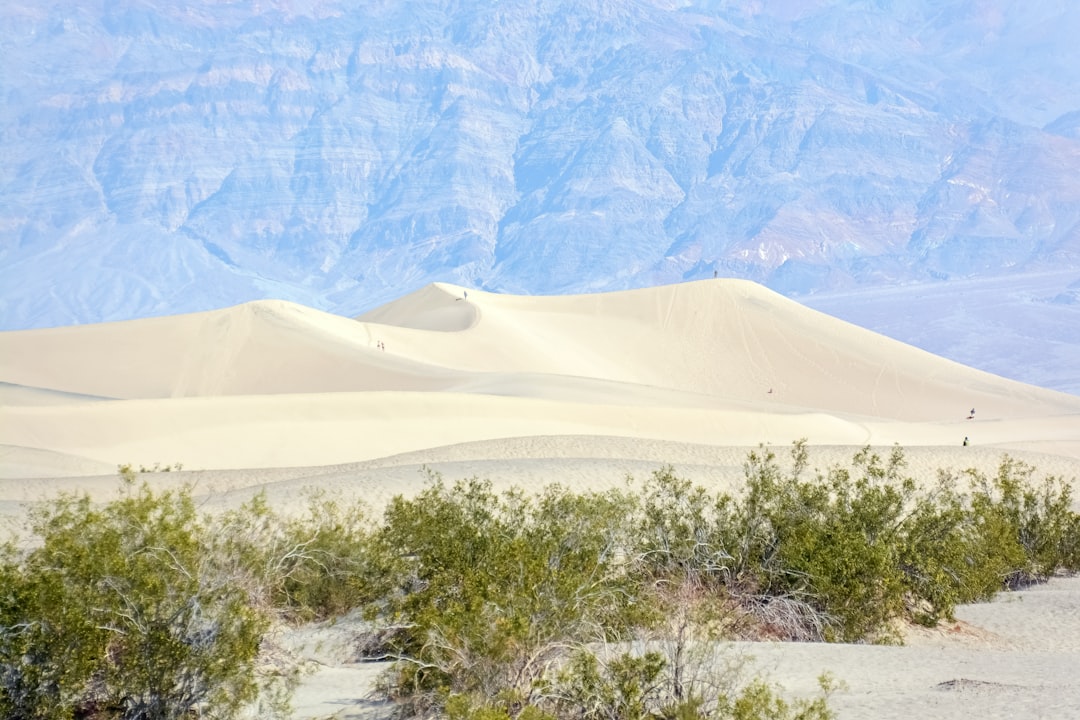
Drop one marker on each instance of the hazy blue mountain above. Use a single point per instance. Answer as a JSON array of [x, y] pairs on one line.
[[160, 157]]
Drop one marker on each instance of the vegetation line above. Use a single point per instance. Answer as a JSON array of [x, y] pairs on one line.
[[556, 604]]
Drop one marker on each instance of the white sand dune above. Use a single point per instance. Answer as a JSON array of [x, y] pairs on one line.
[[271, 384], [583, 390]]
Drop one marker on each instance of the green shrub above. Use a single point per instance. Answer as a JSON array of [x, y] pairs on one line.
[[1030, 527], [842, 555], [943, 556], [626, 687], [312, 566], [48, 650], [759, 701], [629, 686], [120, 611], [499, 596], [827, 544], [491, 587], [494, 605], [678, 530]]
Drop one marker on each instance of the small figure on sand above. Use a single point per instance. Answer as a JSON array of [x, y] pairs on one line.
[[971, 415], [466, 292], [965, 441], [770, 391]]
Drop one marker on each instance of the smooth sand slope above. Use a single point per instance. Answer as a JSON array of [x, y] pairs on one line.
[[273, 384], [271, 396]]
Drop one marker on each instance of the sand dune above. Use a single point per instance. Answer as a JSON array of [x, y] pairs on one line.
[[271, 384], [727, 339], [583, 390]]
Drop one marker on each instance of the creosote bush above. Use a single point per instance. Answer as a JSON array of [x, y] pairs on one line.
[[313, 565], [829, 544], [503, 601], [121, 611], [493, 606], [492, 588], [852, 550]]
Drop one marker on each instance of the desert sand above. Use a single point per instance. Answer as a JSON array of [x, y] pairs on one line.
[[582, 390]]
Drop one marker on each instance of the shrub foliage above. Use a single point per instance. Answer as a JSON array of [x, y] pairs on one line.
[[506, 603], [555, 604], [121, 611]]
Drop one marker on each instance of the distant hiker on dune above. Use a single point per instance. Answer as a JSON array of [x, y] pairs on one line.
[[965, 441], [971, 415]]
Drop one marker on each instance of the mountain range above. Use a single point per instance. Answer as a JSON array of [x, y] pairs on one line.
[[162, 158]]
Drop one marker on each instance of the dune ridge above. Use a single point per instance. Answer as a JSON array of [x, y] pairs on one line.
[[272, 383]]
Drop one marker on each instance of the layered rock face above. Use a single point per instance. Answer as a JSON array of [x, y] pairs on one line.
[[164, 159]]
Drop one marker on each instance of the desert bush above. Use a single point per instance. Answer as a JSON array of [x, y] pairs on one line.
[[498, 592], [997, 533], [678, 530], [1029, 526], [119, 611], [312, 565], [639, 686], [828, 543], [625, 687], [511, 605], [842, 554], [492, 587], [943, 556], [48, 652], [129, 469], [500, 598], [760, 701]]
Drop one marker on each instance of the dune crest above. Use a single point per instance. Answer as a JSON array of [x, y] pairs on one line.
[[722, 362], [439, 307]]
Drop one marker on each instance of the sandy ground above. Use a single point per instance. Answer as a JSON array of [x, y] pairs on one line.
[[1015, 657], [582, 390]]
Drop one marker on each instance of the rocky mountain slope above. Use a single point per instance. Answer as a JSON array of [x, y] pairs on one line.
[[162, 158]]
